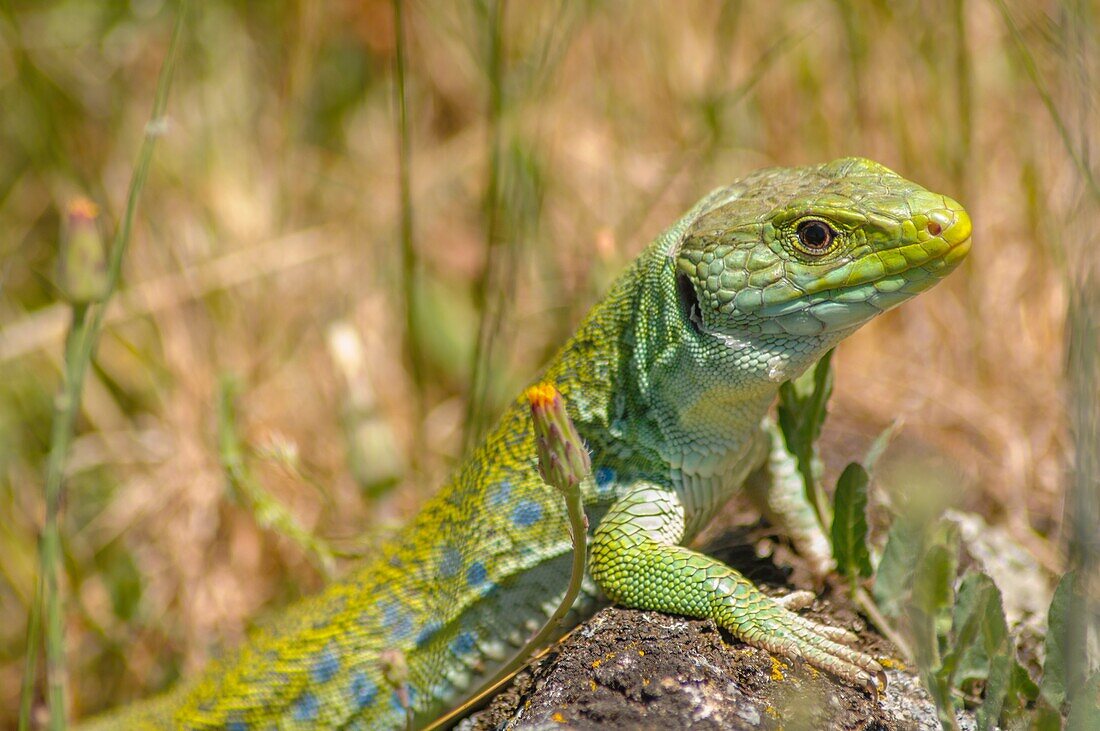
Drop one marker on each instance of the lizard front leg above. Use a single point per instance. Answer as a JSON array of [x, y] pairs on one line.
[[636, 561]]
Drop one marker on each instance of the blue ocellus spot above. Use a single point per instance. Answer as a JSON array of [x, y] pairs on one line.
[[325, 665], [501, 495], [428, 632], [395, 619], [476, 574], [305, 708], [236, 724], [464, 644], [363, 690], [451, 562], [604, 477], [526, 513]]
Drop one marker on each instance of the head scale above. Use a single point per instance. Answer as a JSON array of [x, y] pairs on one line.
[[815, 251]]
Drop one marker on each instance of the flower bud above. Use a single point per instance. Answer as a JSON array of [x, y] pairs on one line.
[[395, 667], [563, 456], [82, 264]]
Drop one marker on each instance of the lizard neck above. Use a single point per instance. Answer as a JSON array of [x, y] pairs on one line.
[[705, 393]]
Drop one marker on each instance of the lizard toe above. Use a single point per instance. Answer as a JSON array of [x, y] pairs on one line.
[[796, 600], [832, 632]]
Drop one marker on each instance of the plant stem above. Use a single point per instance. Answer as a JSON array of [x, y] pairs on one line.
[[87, 321], [30, 669], [578, 526], [64, 416], [867, 604], [1076, 155], [268, 512], [492, 272], [410, 264]]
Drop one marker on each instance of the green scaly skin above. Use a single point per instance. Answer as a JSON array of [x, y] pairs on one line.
[[669, 380]]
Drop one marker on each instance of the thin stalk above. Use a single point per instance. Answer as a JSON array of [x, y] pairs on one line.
[[410, 263], [1032, 71], [64, 416], [857, 54], [564, 464], [30, 669], [495, 266], [1082, 505], [87, 321], [267, 511], [867, 604], [963, 96], [578, 527], [48, 597], [1082, 511]]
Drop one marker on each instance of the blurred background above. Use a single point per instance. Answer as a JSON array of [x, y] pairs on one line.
[[271, 309]]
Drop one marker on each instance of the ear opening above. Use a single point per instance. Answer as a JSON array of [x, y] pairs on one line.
[[689, 301]]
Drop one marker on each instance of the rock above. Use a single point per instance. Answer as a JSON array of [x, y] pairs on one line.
[[629, 669]]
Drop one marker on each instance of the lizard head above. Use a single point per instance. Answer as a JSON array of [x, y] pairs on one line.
[[815, 251]]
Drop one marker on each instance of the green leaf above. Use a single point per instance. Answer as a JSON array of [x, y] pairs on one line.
[[996, 687], [801, 411], [1065, 656], [982, 644], [819, 398], [933, 594], [982, 650], [803, 401], [1023, 708], [1084, 714], [1023, 689], [849, 531], [934, 577], [893, 578], [971, 606], [1041, 718]]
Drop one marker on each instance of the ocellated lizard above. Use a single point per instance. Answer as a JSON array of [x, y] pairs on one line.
[[669, 380]]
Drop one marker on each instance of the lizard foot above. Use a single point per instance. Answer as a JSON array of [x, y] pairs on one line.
[[782, 632]]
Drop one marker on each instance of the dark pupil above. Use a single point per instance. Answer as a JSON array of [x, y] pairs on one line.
[[815, 235]]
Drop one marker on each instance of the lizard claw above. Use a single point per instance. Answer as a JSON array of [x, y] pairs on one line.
[[823, 646], [875, 684]]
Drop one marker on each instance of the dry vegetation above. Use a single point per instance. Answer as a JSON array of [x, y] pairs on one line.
[[267, 248]]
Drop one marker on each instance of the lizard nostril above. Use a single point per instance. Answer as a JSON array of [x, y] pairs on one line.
[[940, 221]]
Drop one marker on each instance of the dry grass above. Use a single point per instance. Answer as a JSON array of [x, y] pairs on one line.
[[268, 247]]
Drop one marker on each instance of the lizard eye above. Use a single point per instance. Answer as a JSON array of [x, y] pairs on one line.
[[815, 236], [689, 300]]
